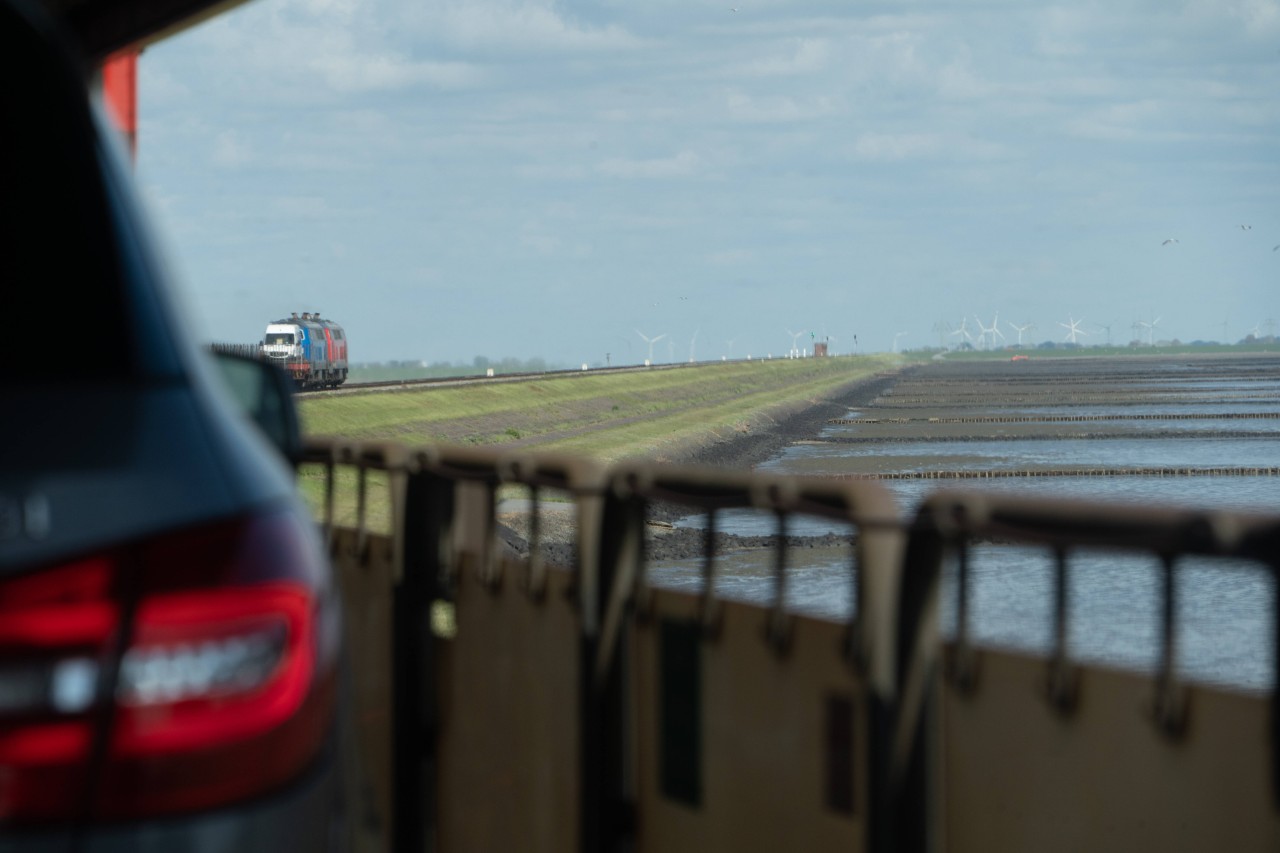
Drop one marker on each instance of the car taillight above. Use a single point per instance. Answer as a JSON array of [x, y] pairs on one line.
[[182, 673]]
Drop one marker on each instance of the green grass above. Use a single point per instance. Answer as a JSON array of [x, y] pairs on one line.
[[544, 410]]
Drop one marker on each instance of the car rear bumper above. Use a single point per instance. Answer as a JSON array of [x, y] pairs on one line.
[[306, 816]]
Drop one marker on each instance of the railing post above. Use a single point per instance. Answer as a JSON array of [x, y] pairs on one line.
[[610, 539], [904, 793], [428, 510]]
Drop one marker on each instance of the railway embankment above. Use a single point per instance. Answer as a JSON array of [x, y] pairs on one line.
[[734, 414], [670, 415]]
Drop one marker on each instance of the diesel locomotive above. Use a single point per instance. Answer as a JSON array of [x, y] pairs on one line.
[[310, 349]]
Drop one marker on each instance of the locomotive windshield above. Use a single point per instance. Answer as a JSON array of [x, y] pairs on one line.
[[280, 338]]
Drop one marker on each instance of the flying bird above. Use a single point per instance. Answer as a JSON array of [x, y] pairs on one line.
[[1246, 227], [1274, 248], [1167, 242]]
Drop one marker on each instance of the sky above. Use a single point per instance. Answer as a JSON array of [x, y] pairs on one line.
[[527, 178]]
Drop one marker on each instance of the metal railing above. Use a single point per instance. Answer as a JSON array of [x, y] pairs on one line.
[[519, 692]]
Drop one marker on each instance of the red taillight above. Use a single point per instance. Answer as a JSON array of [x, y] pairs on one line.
[[223, 690]]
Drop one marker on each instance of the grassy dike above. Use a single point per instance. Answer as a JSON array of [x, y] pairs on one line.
[[658, 414]]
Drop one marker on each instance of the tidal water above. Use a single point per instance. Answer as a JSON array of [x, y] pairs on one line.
[[1224, 625]]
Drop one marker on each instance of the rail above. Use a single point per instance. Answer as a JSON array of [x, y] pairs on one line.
[[502, 702]]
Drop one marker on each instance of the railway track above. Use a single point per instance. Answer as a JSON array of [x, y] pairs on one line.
[[447, 381]]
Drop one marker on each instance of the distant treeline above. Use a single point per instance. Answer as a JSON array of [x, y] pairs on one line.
[[414, 369]]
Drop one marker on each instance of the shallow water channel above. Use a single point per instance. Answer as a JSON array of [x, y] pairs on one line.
[[1224, 624]]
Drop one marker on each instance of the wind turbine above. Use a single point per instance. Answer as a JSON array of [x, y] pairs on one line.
[[995, 330], [795, 336], [1020, 329], [984, 331], [1073, 328], [1151, 328], [650, 341], [897, 335], [692, 342], [963, 331], [729, 352], [1106, 327]]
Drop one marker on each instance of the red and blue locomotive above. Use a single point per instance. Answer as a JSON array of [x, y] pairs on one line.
[[310, 349]]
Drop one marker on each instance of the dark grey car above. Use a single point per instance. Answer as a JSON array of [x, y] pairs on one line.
[[169, 628]]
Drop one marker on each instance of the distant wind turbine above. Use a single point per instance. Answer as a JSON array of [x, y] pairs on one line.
[[995, 330], [1073, 329], [1151, 328], [982, 332], [795, 336], [693, 342], [989, 333], [963, 331], [1106, 327], [1020, 329], [895, 340], [650, 341]]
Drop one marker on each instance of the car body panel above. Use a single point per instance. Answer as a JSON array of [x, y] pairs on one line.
[[126, 438]]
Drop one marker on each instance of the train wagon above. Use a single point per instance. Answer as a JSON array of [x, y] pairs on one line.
[[311, 349]]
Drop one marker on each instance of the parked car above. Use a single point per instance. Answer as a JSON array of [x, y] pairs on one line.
[[170, 631]]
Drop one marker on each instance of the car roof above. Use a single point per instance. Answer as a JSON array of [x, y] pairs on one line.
[[101, 27]]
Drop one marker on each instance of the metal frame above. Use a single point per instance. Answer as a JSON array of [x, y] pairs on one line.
[[443, 502]]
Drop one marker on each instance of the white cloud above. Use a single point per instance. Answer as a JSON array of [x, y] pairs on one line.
[[804, 56], [160, 86], [1260, 18], [536, 237], [894, 147], [731, 257], [301, 207], [682, 165], [356, 71], [517, 24], [903, 146], [552, 172], [345, 49], [1124, 121], [957, 80], [769, 109], [230, 151]]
